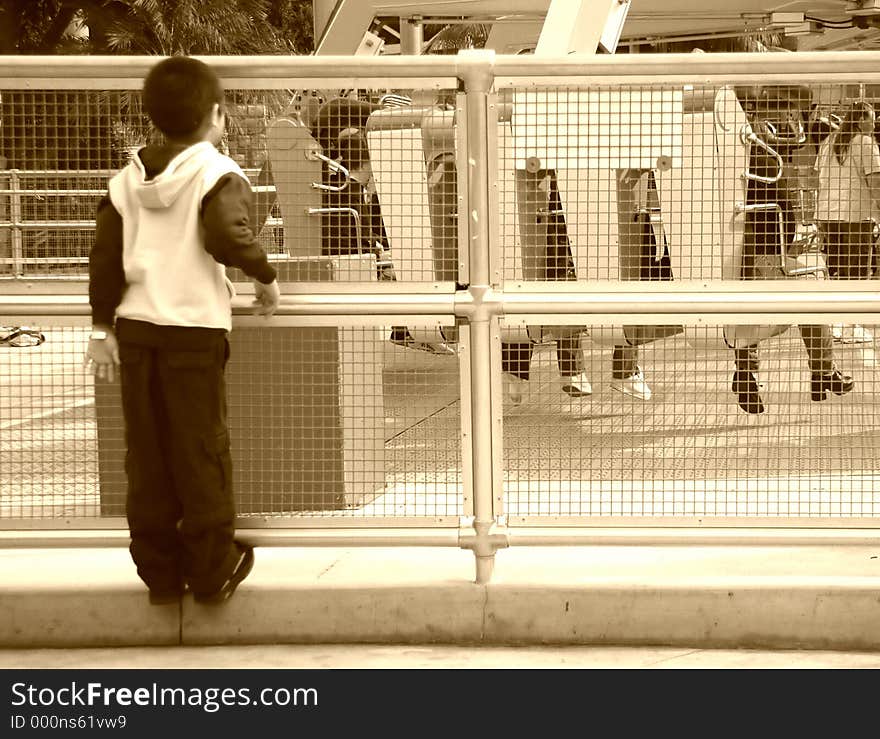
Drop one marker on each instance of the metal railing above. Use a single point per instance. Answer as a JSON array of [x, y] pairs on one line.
[[487, 304], [12, 190]]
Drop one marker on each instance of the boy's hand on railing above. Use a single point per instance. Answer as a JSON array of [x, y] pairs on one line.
[[102, 357], [266, 298]]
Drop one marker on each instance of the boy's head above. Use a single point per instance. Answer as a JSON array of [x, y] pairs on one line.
[[183, 98]]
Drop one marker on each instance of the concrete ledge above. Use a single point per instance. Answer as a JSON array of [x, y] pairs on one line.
[[79, 597], [779, 597]]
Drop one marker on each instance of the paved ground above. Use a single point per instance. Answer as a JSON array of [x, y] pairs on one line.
[[689, 451], [811, 593]]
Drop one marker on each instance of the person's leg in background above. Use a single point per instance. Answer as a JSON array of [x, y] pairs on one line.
[[572, 367], [857, 244], [560, 265], [848, 250], [626, 375], [745, 379], [824, 376], [516, 359], [861, 240]]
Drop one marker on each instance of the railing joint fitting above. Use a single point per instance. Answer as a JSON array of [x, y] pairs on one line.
[[479, 303], [484, 538]]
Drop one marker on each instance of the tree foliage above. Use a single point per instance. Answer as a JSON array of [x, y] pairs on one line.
[[162, 27], [169, 27], [83, 129]]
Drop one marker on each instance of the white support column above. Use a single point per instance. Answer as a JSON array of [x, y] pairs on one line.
[[412, 35]]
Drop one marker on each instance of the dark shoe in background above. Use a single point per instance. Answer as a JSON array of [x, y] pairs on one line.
[[745, 385], [835, 382]]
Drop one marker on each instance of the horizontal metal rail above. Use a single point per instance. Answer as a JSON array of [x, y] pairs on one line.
[[426, 536], [762, 304], [53, 72], [81, 225], [64, 173], [842, 65], [44, 260], [48, 225], [12, 188], [37, 192], [813, 533]]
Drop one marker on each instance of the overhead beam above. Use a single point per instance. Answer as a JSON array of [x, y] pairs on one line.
[[345, 28], [582, 27]]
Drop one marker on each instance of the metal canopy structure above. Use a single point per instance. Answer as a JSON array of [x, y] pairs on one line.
[[818, 24]]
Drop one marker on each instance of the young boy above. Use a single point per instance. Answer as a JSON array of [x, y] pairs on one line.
[[170, 221]]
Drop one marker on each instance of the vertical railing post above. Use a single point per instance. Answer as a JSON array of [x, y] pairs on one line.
[[15, 219], [484, 540], [5, 231]]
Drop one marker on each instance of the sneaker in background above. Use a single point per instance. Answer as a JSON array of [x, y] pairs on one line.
[[513, 389], [633, 385], [577, 386]]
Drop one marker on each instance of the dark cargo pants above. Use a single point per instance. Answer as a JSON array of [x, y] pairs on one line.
[[179, 505]]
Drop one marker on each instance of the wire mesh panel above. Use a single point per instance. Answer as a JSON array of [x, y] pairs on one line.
[[572, 164], [341, 421], [325, 421], [49, 451], [714, 184], [651, 184], [422, 432], [722, 182], [58, 148], [681, 437], [350, 169], [50, 217], [306, 153]]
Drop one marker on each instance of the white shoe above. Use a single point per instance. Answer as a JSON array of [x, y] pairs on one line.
[[578, 386], [513, 389], [634, 385], [441, 347], [438, 347]]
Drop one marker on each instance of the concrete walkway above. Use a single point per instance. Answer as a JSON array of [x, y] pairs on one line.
[[430, 656], [779, 597]]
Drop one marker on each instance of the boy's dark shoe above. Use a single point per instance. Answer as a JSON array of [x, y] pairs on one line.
[[242, 570]]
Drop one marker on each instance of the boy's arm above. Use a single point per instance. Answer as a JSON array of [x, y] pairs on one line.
[[106, 274], [106, 285], [229, 237]]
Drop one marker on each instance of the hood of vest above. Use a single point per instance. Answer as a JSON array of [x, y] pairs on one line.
[[158, 174]]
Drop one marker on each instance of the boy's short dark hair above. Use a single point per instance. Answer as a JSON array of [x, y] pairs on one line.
[[178, 93]]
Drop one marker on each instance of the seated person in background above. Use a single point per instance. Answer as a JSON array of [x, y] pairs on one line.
[[761, 244], [340, 129], [848, 198], [516, 357]]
